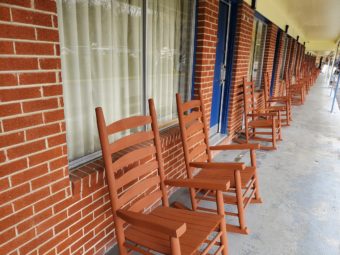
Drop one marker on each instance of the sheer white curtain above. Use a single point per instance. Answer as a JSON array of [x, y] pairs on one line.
[[169, 53], [102, 62], [101, 42]]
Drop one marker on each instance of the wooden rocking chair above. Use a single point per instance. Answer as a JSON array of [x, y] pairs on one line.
[[297, 90], [135, 176], [278, 103], [244, 187], [259, 119]]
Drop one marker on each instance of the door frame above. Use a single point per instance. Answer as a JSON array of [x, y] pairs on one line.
[[222, 125], [229, 68]]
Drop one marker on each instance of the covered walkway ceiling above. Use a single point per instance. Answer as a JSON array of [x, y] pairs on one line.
[[317, 22]]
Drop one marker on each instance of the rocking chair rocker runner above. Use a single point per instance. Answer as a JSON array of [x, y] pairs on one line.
[[259, 119], [197, 153], [135, 177]]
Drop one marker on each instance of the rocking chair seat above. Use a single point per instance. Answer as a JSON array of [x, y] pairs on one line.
[[262, 123], [198, 225], [246, 175]]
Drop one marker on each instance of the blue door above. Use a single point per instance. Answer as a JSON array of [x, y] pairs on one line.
[[219, 86]]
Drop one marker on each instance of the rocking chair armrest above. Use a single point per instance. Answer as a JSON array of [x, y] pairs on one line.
[[173, 229], [245, 146], [218, 165], [198, 183]]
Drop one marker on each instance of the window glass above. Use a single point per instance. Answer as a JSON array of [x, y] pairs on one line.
[[116, 54], [257, 53], [169, 53]]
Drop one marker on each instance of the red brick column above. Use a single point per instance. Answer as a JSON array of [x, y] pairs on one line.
[[33, 166], [278, 63], [269, 53], [243, 39], [289, 55], [293, 55], [207, 26]]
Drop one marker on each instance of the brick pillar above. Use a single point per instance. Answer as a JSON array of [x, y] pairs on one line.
[[278, 63], [207, 26], [293, 56], [269, 53], [289, 55], [297, 58], [33, 156], [243, 39]]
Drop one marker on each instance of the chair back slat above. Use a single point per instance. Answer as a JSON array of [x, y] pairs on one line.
[[194, 115], [133, 157], [194, 131], [145, 202], [138, 190], [197, 151], [140, 171], [191, 104], [133, 163], [248, 96], [194, 128], [195, 139], [128, 123], [131, 140], [267, 86]]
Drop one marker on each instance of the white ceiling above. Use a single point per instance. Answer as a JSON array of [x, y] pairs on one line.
[[319, 20]]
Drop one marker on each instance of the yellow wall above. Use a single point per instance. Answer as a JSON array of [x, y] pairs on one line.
[[276, 12]]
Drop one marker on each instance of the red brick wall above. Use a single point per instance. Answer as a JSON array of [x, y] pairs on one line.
[[44, 207], [207, 26], [243, 38]]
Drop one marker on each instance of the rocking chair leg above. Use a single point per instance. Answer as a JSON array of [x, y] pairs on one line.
[[256, 185], [239, 197], [193, 200], [257, 199], [279, 132], [175, 246], [274, 134], [220, 210]]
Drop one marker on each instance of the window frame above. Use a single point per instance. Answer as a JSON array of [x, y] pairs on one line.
[[146, 87]]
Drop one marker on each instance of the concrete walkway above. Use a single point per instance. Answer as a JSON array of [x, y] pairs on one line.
[[300, 186]]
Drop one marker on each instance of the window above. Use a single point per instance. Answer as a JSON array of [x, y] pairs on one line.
[[284, 58], [118, 53], [257, 52]]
